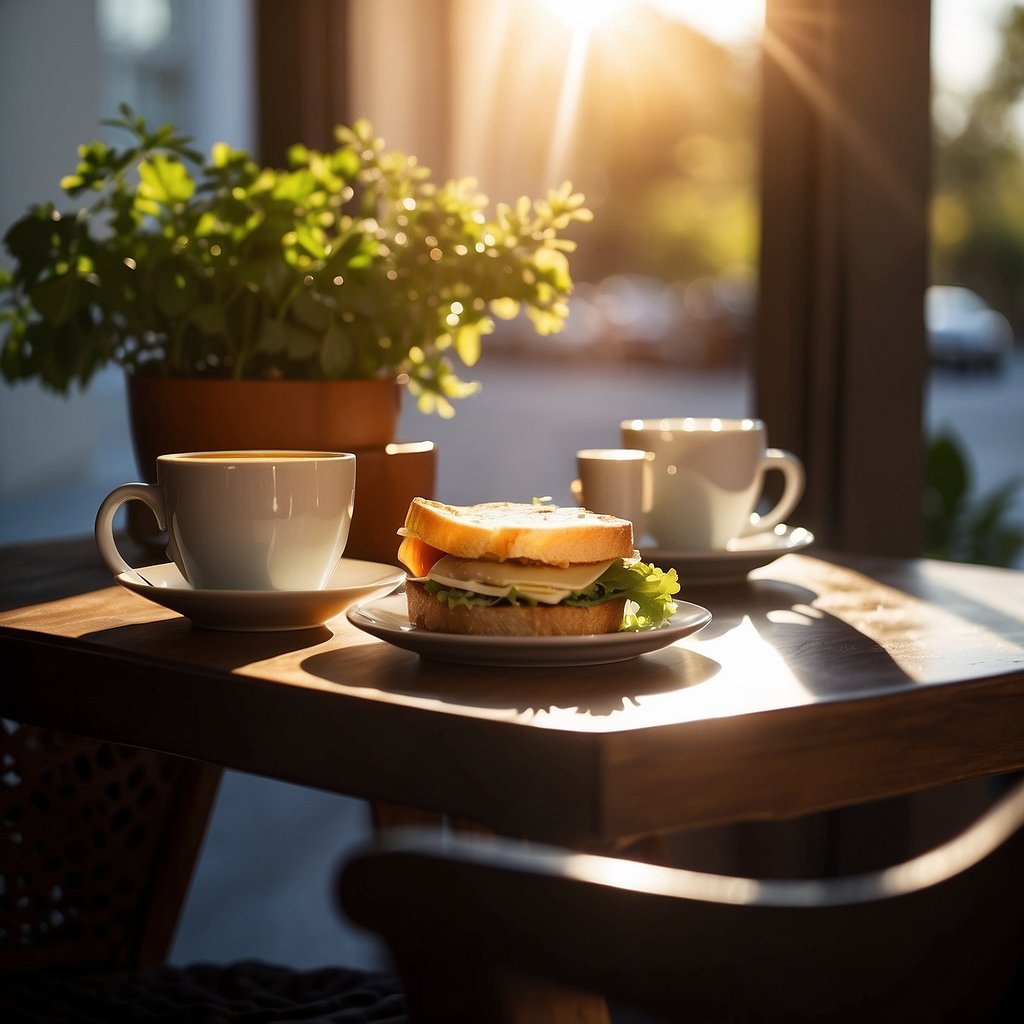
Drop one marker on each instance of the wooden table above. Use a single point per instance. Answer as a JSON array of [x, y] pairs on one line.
[[821, 682]]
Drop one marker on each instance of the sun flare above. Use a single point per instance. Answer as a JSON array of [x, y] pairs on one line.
[[580, 67], [585, 15], [725, 21]]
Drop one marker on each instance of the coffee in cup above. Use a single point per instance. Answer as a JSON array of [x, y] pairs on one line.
[[616, 482], [245, 520], [707, 478]]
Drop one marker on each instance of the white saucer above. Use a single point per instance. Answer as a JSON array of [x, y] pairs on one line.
[[262, 610], [388, 619], [740, 557]]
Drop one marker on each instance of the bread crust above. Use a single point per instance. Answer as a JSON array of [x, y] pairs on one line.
[[426, 612], [502, 530]]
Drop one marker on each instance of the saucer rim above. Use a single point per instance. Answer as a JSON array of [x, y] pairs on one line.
[[262, 611], [135, 580], [785, 546]]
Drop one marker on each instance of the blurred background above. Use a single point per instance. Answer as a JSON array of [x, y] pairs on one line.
[[651, 109]]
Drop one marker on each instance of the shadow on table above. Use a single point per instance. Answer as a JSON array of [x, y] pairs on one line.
[[809, 639], [596, 690], [778, 613]]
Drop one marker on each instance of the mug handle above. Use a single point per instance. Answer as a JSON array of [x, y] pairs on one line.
[[792, 470], [148, 494]]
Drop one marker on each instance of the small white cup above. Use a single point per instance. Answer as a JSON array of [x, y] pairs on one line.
[[708, 477], [244, 520], [616, 482]]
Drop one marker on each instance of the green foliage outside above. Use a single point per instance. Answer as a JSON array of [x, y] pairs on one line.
[[978, 241], [961, 526], [348, 264], [676, 198]]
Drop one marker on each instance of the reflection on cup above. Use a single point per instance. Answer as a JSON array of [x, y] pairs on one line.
[[707, 477], [245, 520], [616, 482]]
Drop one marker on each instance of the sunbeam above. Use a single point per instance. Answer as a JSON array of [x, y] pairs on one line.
[[854, 136], [566, 111], [583, 16]]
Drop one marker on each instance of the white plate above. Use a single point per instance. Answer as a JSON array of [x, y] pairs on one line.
[[388, 619], [259, 610], [739, 558]]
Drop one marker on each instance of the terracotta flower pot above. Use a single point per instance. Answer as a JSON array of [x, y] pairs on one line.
[[184, 415], [181, 415]]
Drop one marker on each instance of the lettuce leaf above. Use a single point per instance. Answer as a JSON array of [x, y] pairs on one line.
[[648, 591]]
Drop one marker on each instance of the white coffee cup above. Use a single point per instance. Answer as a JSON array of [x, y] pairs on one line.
[[245, 520], [616, 482], [707, 479]]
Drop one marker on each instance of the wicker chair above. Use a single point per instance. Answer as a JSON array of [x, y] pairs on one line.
[[97, 848]]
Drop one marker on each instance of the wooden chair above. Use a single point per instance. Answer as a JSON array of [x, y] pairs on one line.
[[97, 846], [493, 930]]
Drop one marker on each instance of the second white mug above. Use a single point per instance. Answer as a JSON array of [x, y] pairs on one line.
[[708, 478], [615, 482]]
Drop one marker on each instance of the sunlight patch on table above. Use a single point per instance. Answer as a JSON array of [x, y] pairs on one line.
[[916, 633]]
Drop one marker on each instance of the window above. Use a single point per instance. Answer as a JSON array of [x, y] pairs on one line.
[[975, 305], [650, 109], [188, 61], [842, 115]]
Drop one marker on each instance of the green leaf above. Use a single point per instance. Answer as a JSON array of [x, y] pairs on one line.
[[649, 601], [288, 339], [649, 589], [335, 351], [311, 241], [57, 299], [165, 180], [467, 343], [176, 294], [295, 187], [209, 318], [346, 164], [274, 337], [31, 241], [311, 311], [546, 321], [505, 308], [946, 472]]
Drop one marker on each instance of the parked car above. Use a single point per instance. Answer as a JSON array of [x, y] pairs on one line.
[[964, 331]]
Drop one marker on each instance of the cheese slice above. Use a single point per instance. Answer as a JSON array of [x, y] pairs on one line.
[[547, 584]]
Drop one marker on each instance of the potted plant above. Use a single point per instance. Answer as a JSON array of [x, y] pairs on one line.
[[345, 265], [222, 286]]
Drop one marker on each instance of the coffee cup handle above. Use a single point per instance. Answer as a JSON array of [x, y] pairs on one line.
[[149, 495], [792, 470]]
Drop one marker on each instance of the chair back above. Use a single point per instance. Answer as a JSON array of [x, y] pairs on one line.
[[937, 938], [98, 844]]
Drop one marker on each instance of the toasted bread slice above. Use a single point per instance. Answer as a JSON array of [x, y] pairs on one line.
[[426, 612], [501, 530]]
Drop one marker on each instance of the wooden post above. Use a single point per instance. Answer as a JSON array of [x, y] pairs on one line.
[[840, 358]]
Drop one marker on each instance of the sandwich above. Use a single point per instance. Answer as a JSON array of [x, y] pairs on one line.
[[508, 569]]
